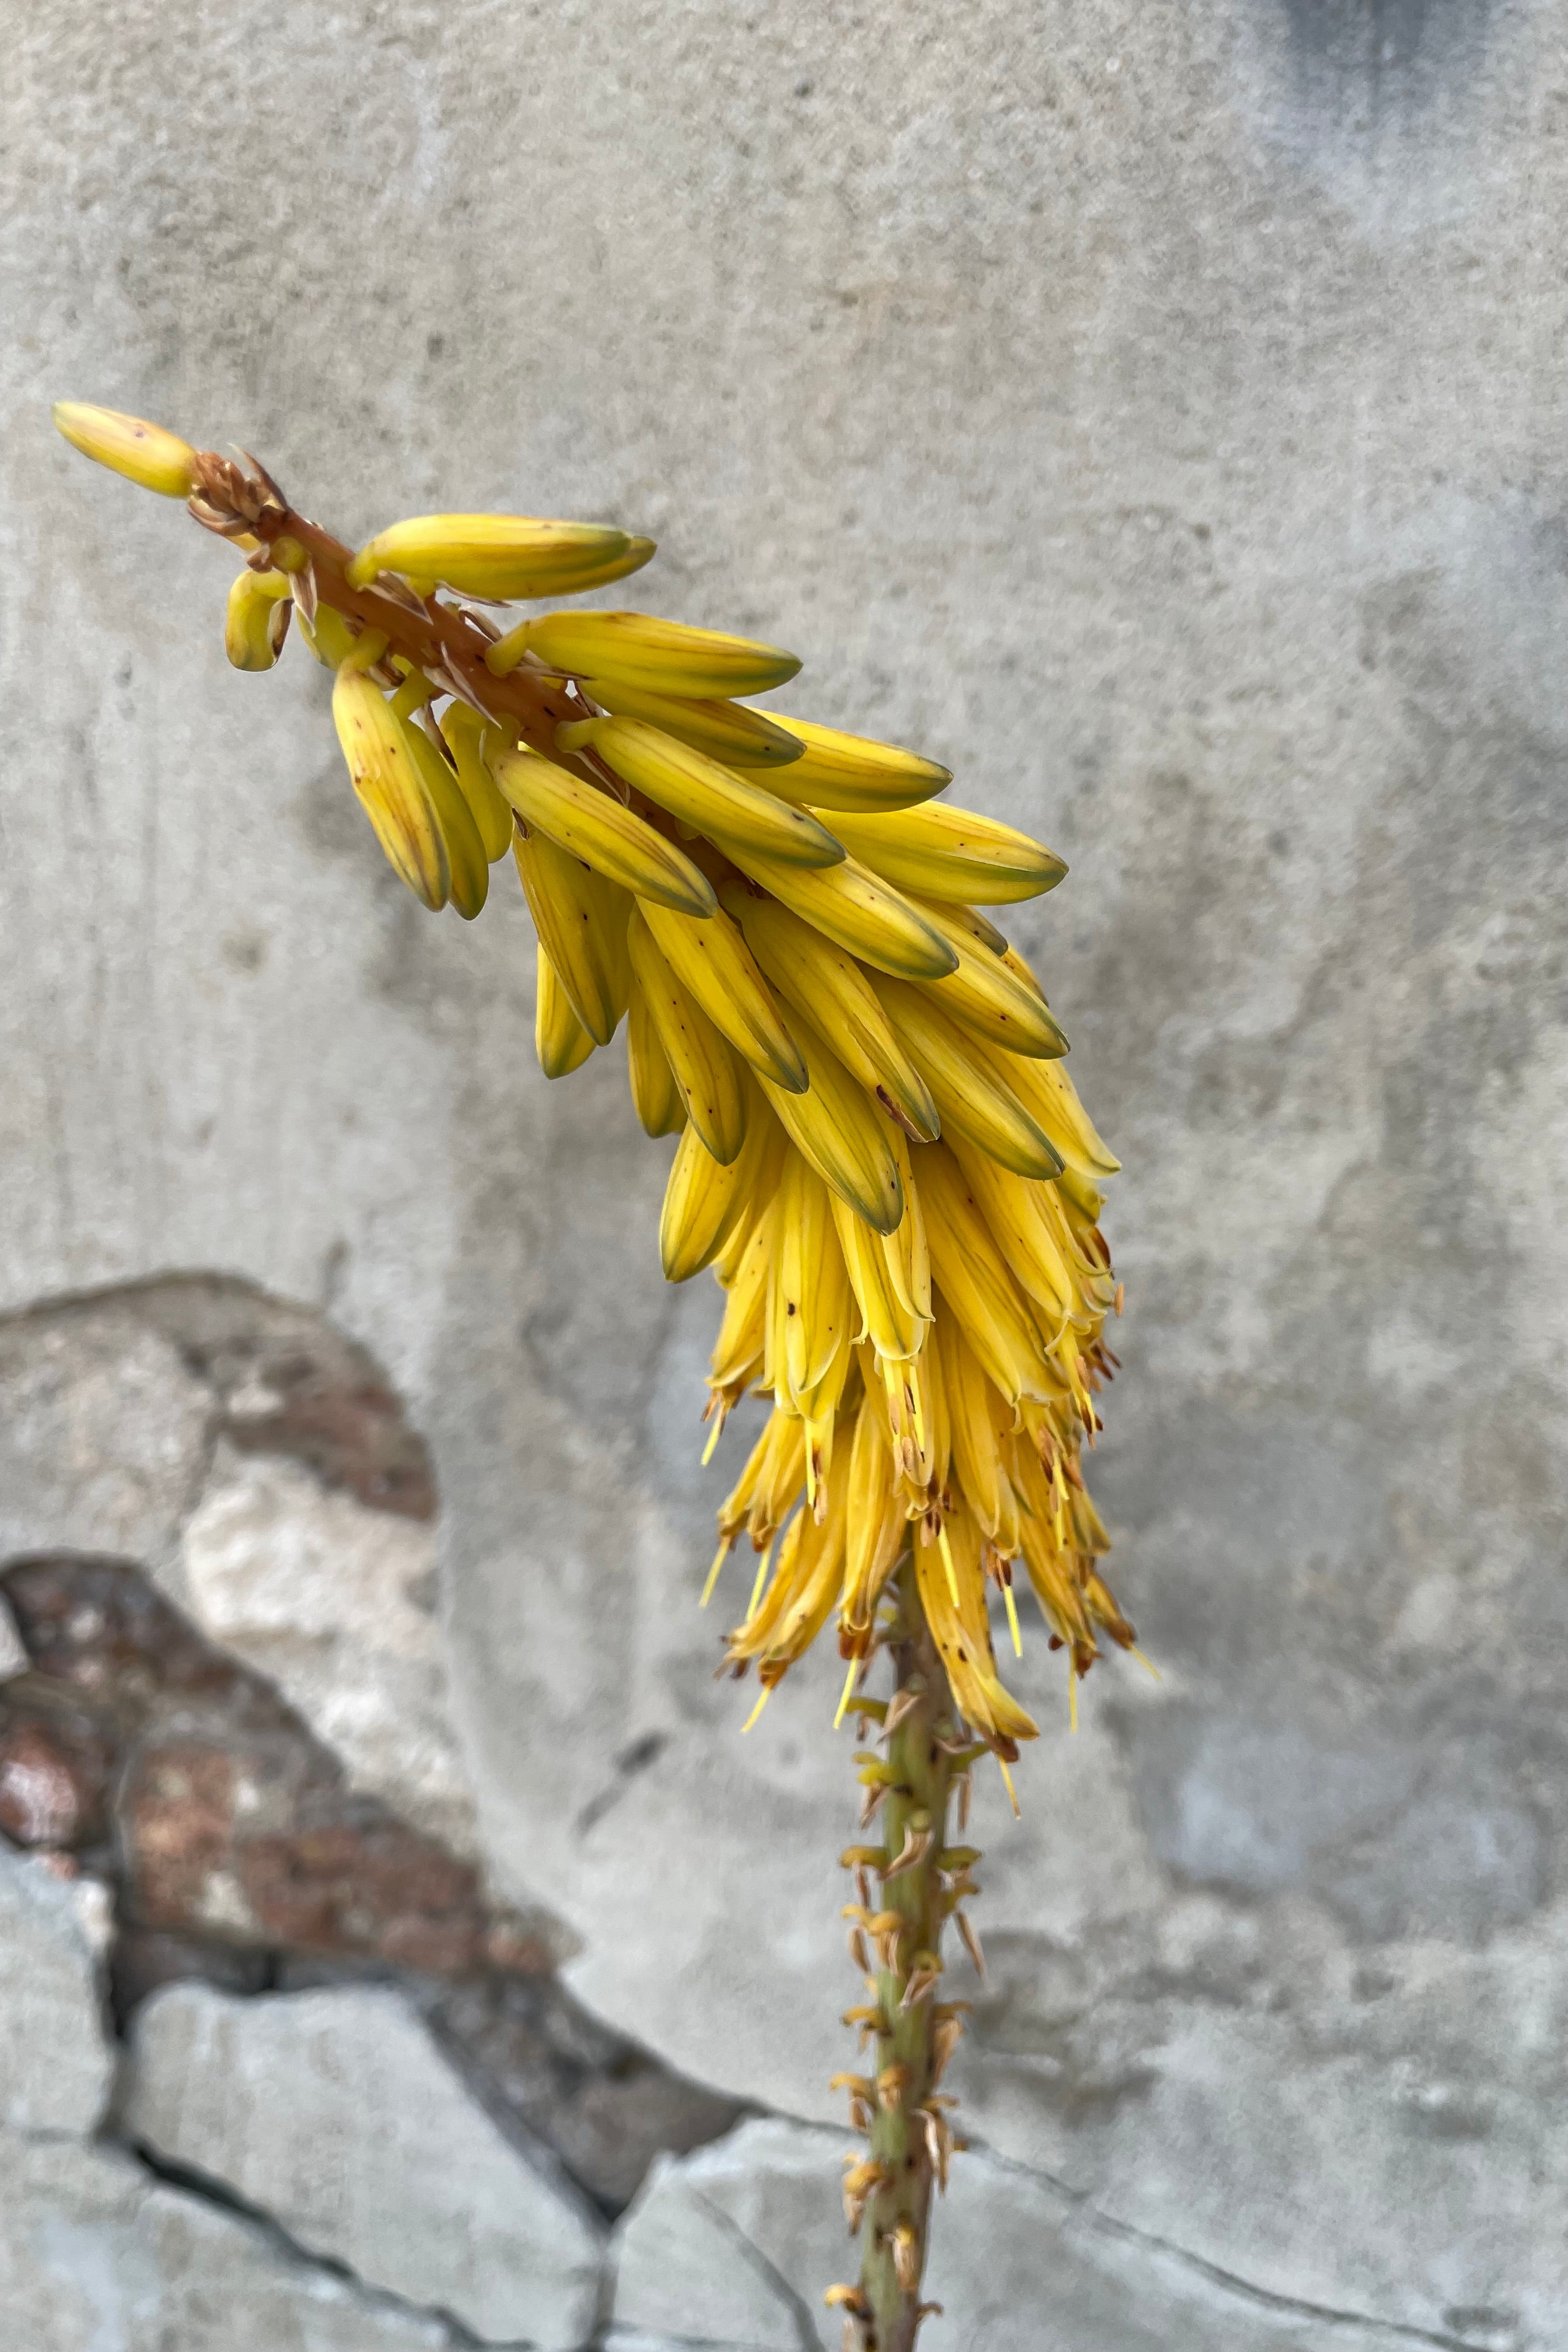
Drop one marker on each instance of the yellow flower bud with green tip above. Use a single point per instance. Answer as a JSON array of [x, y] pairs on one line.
[[500, 555]]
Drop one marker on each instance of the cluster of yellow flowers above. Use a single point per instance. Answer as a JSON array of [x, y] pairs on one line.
[[882, 1154]]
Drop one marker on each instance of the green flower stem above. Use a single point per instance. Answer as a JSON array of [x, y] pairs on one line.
[[898, 2212]]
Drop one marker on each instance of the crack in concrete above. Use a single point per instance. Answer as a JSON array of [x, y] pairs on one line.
[[622, 2339], [189, 2181], [1395, 2331], [1081, 2203], [771, 2276], [632, 1759]]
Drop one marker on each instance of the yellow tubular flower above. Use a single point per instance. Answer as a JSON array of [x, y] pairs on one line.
[[499, 555], [330, 638], [877, 1525], [705, 1198], [656, 1097], [882, 1154], [837, 771], [711, 960], [738, 1350], [763, 1496], [825, 983], [838, 1130], [701, 794], [705, 1069], [464, 732], [894, 1326], [467, 864], [810, 1301], [633, 649], [940, 852], [989, 1001], [560, 1039], [726, 731], [1017, 1213], [847, 904], [606, 836], [972, 1095], [390, 787], [581, 919], [964, 1635]]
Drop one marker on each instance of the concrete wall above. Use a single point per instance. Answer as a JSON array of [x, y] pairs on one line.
[[1155, 412]]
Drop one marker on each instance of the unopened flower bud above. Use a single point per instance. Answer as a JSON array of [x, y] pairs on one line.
[[129, 445]]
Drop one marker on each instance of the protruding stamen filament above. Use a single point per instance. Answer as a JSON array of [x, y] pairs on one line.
[[844, 1696], [720, 1557]]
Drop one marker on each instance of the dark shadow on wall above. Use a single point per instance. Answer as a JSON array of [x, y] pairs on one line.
[[1383, 56]]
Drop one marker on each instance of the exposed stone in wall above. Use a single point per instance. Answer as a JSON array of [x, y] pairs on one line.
[[333, 2113], [96, 2251], [136, 1741], [134, 1751], [260, 1466]]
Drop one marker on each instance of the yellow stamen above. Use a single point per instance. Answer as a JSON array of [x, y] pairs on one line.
[[757, 1587], [720, 1557], [848, 1686], [947, 1562], [1072, 1694], [761, 1702], [1012, 1793], [711, 1447], [1011, 1620], [1147, 1664]]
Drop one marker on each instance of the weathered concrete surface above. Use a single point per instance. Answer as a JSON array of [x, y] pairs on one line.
[[258, 1467], [1158, 414], [333, 1603], [94, 2252], [144, 1755], [737, 2245], [333, 2114]]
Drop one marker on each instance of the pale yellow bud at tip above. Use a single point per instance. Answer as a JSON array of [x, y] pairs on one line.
[[143, 453]]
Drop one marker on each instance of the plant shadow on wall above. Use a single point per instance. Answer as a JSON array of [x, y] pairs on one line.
[[1381, 52], [1374, 102]]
